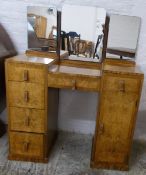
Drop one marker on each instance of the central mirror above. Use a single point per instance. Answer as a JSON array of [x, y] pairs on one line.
[[82, 32]]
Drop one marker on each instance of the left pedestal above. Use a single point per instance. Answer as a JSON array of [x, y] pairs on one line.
[[32, 125]]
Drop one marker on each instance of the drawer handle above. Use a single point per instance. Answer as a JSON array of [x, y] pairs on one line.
[[73, 84], [27, 121], [26, 96], [25, 75], [122, 86], [25, 146], [101, 128]]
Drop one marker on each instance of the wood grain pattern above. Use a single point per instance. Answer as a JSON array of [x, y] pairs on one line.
[[75, 78], [28, 120], [74, 82], [29, 115], [87, 72], [114, 128], [119, 84], [31, 61], [135, 70], [63, 54], [119, 62], [114, 83], [82, 64], [26, 95], [26, 144], [116, 120], [25, 73]]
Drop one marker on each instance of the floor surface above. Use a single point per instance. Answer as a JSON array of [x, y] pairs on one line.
[[71, 156]]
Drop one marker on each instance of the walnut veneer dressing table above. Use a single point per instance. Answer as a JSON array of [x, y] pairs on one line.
[[33, 81], [32, 100]]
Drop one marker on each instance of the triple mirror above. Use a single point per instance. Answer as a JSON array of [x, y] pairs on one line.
[[81, 30]]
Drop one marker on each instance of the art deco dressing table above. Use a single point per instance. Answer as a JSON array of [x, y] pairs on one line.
[[33, 81], [32, 100]]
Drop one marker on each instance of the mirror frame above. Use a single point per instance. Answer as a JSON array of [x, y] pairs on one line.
[[105, 38]]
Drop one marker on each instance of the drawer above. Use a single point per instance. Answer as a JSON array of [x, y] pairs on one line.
[[88, 83], [26, 144], [29, 120], [74, 82], [25, 72], [121, 84], [60, 81], [26, 95]]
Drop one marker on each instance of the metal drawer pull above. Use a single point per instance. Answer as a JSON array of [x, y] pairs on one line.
[[26, 96], [73, 84], [27, 121], [25, 146], [25, 75], [122, 86], [101, 128]]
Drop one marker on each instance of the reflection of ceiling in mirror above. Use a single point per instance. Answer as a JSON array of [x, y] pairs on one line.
[[49, 13], [123, 33], [84, 20]]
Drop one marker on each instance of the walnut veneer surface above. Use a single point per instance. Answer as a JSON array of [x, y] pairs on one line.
[[31, 115], [37, 80]]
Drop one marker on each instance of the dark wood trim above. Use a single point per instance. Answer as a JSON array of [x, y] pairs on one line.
[[58, 33], [119, 62], [120, 53], [79, 63], [105, 39]]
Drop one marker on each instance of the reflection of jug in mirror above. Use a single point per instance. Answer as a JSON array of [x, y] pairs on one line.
[[80, 47], [89, 49], [84, 48]]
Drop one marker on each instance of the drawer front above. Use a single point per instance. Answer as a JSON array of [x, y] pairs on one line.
[[119, 83], [26, 73], [29, 120], [60, 81], [72, 82], [26, 144], [90, 84], [26, 95]]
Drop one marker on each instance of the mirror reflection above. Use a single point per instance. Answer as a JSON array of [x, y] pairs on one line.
[[123, 36], [82, 32], [42, 28]]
